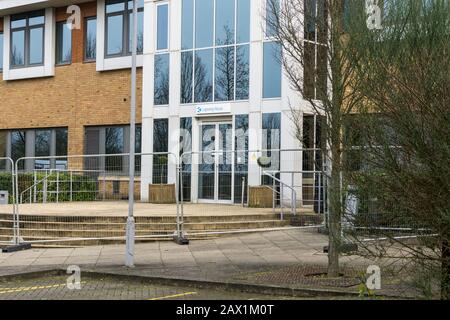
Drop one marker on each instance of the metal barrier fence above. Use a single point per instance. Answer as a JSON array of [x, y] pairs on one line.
[[293, 180], [8, 217]]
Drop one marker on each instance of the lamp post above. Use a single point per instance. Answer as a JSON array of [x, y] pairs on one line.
[[130, 228]]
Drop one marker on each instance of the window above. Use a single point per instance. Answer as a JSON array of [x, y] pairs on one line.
[[162, 38], [1, 51], [18, 146], [42, 148], [272, 70], [271, 17], [119, 22], [90, 39], [27, 39], [241, 156], [160, 144], [186, 159], [215, 50], [114, 144], [63, 43], [61, 147], [161, 79], [315, 50], [3, 150], [271, 140]]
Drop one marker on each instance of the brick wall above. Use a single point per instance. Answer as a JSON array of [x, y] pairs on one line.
[[75, 97]]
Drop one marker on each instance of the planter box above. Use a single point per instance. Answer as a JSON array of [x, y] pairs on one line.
[[260, 197], [161, 193]]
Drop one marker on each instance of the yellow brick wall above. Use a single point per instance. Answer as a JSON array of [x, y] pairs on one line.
[[77, 96]]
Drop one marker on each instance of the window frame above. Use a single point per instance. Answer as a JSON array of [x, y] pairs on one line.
[[125, 13], [86, 21], [59, 36], [235, 44], [2, 41], [27, 30]]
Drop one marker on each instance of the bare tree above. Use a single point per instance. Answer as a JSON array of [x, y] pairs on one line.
[[314, 42]]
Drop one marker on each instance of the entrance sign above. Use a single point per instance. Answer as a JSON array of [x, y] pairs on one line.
[[213, 109]]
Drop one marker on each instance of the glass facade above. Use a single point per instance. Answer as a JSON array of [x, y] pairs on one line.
[[161, 79], [215, 50], [271, 142], [185, 156], [162, 33], [241, 148]]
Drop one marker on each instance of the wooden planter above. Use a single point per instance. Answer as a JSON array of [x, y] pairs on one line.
[[260, 197], [161, 193]]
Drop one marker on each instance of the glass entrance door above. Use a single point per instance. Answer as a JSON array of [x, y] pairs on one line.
[[216, 162]]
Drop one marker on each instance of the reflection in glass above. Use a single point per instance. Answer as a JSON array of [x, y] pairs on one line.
[[18, 23], [3, 147], [206, 169], [241, 156], [271, 17], [161, 84], [42, 148], [160, 144], [204, 23], [61, 148], [224, 22], [203, 75], [186, 159], [242, 72], [224, 74], [36, 46], [243, 21], [186, 76], [90, 47], [272, 70], [163, 27], [64, 43], [115, 34], [18, 147], [140, 33], [115, 6], [18, 48], [187, 24], [114, 144], [271, 140], [225, 161]]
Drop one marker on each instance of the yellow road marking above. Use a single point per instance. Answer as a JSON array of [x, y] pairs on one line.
[[20, 289], [174, 296]]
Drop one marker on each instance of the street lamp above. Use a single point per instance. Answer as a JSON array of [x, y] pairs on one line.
[[130, 228]]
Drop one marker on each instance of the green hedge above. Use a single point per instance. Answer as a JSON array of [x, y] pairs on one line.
[[85, 188]]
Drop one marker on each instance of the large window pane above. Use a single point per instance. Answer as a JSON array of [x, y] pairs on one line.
[[271, 17], [18, 146], [224, 74], [37, 46], [115, 35], [242, 72], [163, 27], [204, 23], [18, 48], [114, 144], [243, 21], [203, 77], [272, 70], [42, 148], [186, 76], [224, 22], [61, 148], [271, 140], [161, 84], [185, 156], [115, 6], [3, 148], [64, 43], [187, 24], [241, 156], [160, 144], [90, 45]]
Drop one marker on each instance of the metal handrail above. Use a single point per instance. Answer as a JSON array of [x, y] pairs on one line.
[[36, 183], [293, 192]]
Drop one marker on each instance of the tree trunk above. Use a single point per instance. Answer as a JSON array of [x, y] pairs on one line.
[[445, 268], [334, 238]]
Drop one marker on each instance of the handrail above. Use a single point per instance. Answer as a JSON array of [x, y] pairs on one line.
[[293, 192], [36, 183]]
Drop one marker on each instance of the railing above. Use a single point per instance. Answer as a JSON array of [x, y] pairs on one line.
[[282, 184]]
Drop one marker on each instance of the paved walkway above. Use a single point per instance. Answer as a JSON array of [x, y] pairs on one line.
[[289, 259], [120, 208]]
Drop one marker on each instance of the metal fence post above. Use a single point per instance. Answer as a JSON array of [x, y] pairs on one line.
[[243, 191], [57, 186], [71, 185]]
